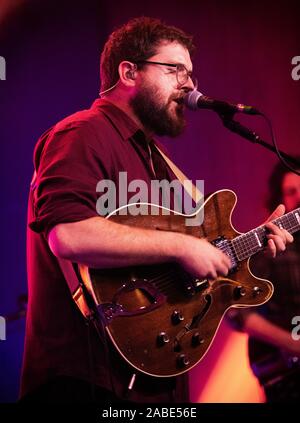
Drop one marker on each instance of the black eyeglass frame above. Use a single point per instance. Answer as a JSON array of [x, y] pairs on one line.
[[173, 65]]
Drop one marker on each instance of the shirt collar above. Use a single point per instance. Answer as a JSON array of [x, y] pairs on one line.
[[126, 127]]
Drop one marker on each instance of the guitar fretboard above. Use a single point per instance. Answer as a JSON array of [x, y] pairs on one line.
[[253, 241]]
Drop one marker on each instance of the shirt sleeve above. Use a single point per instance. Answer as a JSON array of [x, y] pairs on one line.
[[71, 164]]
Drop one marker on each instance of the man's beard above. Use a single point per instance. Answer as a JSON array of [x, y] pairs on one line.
[[156, 117]]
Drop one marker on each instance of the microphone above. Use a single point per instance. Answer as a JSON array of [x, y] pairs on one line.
[[195, 100]]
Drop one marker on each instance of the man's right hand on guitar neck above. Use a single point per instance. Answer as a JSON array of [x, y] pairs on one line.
[[201, 259]]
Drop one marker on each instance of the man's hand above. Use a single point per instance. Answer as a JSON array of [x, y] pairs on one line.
[[201, 259], [277, 238]]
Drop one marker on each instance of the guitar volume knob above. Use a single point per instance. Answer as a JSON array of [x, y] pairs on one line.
[[196, 339], [239, 291], [183, 360], [177, 317], [162, 339], [256, 290]]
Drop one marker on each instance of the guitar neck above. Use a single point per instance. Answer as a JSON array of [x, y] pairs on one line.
[[251, 242]]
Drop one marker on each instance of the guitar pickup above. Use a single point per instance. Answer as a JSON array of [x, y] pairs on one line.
[[194, 285], [200, 284]]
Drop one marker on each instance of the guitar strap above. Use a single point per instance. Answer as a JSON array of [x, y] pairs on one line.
[[191, 189], [75, 287], [67, 268]]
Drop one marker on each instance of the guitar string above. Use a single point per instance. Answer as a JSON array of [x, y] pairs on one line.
[[160, 279], [245, 237], [243, 244], [165, 281], [248, 239], [247, 244]]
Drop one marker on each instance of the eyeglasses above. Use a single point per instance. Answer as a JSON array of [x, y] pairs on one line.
[[182, 74]]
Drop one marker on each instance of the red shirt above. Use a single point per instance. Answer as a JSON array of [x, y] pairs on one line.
[[70, 159]]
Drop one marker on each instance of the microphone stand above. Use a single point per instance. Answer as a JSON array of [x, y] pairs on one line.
[[248, 134]]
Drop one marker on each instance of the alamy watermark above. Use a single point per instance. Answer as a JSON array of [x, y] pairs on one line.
[[2, 69], [296, 69], [2, 329], [171, 196]]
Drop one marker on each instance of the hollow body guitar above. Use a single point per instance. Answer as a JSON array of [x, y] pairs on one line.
[[162, 320]]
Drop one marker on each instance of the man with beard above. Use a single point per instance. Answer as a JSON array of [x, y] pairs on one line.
[[145, 73]]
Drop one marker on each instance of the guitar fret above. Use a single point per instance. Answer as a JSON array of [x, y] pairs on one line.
[[290, 221], [257, 238], [247, 244]]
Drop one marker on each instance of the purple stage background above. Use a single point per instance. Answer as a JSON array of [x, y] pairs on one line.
[[51, 48]]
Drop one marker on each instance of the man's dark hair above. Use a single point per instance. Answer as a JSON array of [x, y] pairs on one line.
[[136, 41], [275, 185]]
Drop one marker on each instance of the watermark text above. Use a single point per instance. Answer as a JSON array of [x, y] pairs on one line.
[[160, 197], [2, 329], [2, 69], [296, 329], [296, 69]]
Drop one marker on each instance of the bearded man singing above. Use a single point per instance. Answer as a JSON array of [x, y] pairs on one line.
[[146, 70]]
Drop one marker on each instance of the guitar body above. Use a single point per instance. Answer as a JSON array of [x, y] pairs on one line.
[[160, 319]]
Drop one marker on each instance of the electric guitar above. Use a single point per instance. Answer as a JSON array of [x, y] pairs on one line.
[[162, 320]]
